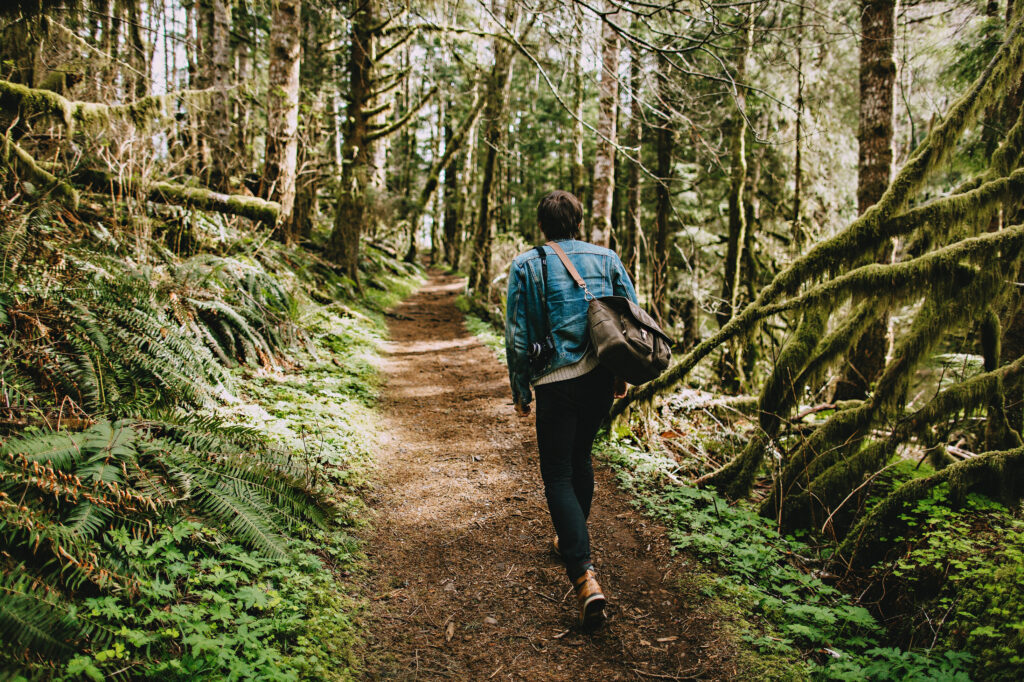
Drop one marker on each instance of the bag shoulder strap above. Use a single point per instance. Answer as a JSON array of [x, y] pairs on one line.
[[580, 282], [544, 287]]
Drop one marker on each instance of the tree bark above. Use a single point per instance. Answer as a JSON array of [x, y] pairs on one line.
[[577, 172], [350, 212], [607, 130], [657, 254], [137, 54], [280, 174], [451, 202], [737, 182], [730, 371], [241, 112], [875, 142], [632, 229], [798, 171], [496, 96], [215, 21]]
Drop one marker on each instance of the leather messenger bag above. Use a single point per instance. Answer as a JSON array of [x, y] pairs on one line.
[[626, 339]]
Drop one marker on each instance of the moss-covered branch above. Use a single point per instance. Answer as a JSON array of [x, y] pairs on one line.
[[16, 99], [252, 208], [841, 339], [997, 474], [779, 395], [899, 279], [27, 168], [835, 464], [870, 229]]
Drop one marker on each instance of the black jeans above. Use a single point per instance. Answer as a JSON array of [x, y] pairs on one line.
[[569, 414]]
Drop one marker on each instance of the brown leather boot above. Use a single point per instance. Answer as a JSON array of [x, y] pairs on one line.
[[590, 600]]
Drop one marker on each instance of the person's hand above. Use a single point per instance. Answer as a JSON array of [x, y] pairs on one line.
[[620, 387], [522, 409]]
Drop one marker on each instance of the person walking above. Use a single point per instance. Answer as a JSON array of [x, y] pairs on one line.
[[548, 350]]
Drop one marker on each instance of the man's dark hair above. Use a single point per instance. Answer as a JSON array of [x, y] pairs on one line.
[[560, 215]]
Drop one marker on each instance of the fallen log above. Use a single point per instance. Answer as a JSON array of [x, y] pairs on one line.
[[175, 194]]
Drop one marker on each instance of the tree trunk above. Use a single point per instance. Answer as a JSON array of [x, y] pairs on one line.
[[241, 113], [279, 176], [496, 97], [730, 370], [468, 187], [137, 50], [798, 171], [451, 201], [875, 140], [657, 254], [577, 172], [343, 245], [632, 229], [215, 30], [607, 130], [21, 45]]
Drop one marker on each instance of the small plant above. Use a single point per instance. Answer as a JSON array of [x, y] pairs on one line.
[[776, 578]]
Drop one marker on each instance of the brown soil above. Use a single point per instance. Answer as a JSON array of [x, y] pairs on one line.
[[462, 582]]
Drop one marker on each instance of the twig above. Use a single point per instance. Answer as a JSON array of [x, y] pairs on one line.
[[543, 596], [660, 676], [853, 492]]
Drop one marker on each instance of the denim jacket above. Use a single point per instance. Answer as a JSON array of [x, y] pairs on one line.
[[566, 307]]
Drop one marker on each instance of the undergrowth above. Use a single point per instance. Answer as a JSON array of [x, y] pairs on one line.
[[182, 441], [778, 579]]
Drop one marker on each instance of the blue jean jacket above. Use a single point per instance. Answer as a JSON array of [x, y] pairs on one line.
[[566, 307]]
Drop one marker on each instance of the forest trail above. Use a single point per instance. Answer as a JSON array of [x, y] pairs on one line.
[[462, 583]]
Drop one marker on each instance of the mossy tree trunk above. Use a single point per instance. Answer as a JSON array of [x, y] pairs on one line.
[[451, 237], [137, 52], [350, 207], [215, 35], [280, 171], [730, 371], [631, 229], [875, 145]]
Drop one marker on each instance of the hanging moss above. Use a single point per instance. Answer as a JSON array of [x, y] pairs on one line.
[[828, 489], [837, 481], [874, 226], [778, 397], [829, 476], [1007, 156], [902, 281], [842, 338], [782, 391]]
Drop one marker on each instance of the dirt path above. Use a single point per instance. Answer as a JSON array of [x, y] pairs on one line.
[[462, 585]]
